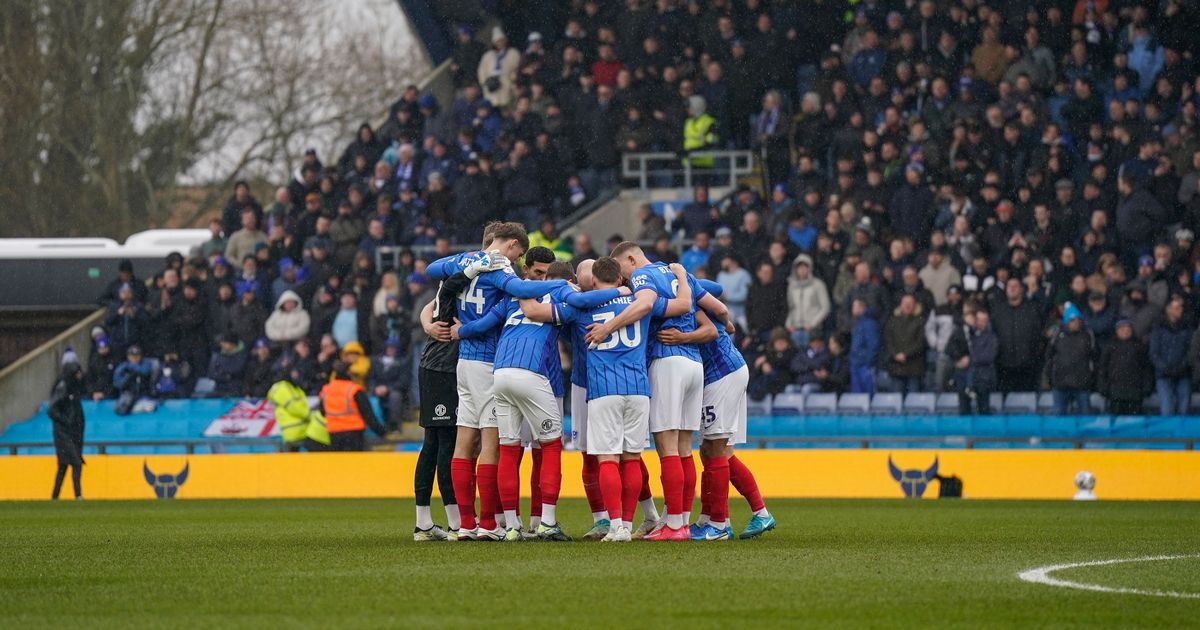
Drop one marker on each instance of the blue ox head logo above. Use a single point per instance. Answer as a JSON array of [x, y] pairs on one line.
[[165, 486], [913, 481]]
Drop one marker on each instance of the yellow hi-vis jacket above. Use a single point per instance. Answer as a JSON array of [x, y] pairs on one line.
[[698, 135], [295, 419]]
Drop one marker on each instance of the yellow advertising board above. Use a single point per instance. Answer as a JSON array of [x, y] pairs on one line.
[[831, 473]]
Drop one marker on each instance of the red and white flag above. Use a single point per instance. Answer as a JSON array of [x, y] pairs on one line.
[[247, 418]]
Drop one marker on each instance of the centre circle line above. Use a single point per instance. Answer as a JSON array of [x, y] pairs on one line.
[[1042, 575]]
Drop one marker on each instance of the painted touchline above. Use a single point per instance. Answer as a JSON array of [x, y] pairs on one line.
[[1041, 575]]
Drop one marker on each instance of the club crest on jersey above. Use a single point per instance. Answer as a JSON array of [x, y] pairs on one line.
[[913, 481]]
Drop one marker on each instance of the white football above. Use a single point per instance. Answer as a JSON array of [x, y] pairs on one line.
[[1085, 480]]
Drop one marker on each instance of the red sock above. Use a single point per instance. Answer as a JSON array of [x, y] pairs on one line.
[[509, 477], [705, 491], [689, 481], [717, 468], [610, 487], [743, 480], [474, 477], [535, 485], [551, 471], [462, 475], [591, 483], [489, 495], [631, 485], [672, 482], [645, 492]]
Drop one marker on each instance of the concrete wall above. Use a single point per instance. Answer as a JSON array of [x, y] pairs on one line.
[[26, 383], [619, 216]]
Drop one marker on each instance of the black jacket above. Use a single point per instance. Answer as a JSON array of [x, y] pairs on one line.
[[1125, 372], [1019, 334], [1069, 360], [66, 414]]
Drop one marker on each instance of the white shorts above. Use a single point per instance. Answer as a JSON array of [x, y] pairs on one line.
[[579, 417], [724, 413], [526, 397], [476, 403], [617, 424], [676, 394]]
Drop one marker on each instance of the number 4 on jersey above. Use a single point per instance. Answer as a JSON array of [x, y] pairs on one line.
[[472, 295]]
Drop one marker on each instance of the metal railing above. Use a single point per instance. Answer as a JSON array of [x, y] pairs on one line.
[[189, 444], [670, 170], [970, 441]]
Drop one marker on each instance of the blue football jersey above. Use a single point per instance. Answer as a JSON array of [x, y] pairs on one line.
[[581, 300], [658, 277], [721, 358], [617, 365], [482, 295]]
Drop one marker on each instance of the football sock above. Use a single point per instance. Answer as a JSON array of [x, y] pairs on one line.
[[611, 487], [718, 469], [462, 476], [453, 519], [645, 494], [672, 482], [535, 486], [509, 480], [511, 519], [551, 475], [689, 485], [631, 485], [743, 481], [424, 520], [705, 496], [591, 485], [489, 496]]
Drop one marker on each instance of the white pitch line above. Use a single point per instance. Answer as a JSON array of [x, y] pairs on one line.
[[1041, 575]]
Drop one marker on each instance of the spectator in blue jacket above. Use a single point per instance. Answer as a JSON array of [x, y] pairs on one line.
[[1169, 345], [134, 380], [812, 365], [864, 348]]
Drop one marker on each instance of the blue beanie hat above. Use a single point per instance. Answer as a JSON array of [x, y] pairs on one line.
[[1070, 311]]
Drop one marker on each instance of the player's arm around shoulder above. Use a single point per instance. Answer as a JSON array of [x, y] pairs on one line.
[[537, 310], [438, 331], [490, 320], [705, 332], [681, 304]]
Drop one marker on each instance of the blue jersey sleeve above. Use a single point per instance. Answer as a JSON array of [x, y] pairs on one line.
[[641, 280], [443, 268], [490, 320], [564, 313], [698, 291], [708, 286], [524, 289], [660, 307], [591, 299]]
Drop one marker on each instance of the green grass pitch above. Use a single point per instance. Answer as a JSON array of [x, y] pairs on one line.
[[353, 564]]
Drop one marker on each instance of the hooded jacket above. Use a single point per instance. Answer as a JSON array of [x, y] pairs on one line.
[[807, 300], [1069, 357], [66, 414], [288, 326], [864, 341]]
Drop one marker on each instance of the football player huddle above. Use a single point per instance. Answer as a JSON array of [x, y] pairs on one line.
[[651, 356]]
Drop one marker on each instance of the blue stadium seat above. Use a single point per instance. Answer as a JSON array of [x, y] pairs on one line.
[[1019, 402], [921, 403], [821, 404], [758, 408], [1045, 402], [793, 388], [1099, 405], [887, 403], [1194, 405], [854, 404], [787, 403], [947, 403]]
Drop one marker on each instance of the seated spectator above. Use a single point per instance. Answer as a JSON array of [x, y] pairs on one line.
[[904, 345], [771, 371], [812, 364], [807, 301], [1069, 364], [102, 365], [289, 321], [297, 365], [388, 380], [227, 367], [134, 380], [176, 379], [259, 371], [356, 358], [1125, 376]]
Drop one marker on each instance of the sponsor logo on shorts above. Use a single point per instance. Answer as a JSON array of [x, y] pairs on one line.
[[547, 424], [440, 411]]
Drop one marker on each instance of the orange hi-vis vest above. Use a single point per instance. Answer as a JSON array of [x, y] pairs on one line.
[[341, 414]]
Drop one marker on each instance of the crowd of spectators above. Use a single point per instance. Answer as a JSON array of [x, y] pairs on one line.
[[958, 196]]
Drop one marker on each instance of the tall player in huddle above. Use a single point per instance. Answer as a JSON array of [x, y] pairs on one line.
[[723, 425], [528, 388], [618, 404], [676, 378], [492, 279]]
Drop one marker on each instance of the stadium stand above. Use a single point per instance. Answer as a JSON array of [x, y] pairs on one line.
[[916, 166]]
